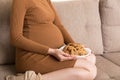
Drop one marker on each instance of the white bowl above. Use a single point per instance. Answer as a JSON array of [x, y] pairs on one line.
[[62, 47], [88, 50]]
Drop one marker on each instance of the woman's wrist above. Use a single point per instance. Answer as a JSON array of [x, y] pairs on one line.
[[51, 51]]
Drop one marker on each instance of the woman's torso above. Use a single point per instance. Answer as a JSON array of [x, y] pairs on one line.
[[38, 24]]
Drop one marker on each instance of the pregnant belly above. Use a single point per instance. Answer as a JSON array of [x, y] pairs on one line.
[[46, 34]]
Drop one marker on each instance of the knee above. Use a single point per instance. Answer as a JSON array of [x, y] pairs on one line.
[[83, 75], [91, 68], [92, 58], [93, 71]]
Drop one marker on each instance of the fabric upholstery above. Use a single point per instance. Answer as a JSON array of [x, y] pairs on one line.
[[6, 70], [113, 57], [101, 75], [110, 17], [108, 67], [84, 25], [6, 50]]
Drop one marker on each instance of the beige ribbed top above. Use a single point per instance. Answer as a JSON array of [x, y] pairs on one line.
[[35, 26]]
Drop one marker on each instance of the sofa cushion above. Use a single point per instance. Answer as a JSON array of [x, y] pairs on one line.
[[6, 70], [108, 67], [110, 16], [101, 75], [81, 19], [6, 50], [114, 57]]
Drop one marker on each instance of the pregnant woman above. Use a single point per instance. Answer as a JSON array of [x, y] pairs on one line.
[[37, 33]]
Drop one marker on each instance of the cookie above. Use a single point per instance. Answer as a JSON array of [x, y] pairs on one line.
[[74, 49]]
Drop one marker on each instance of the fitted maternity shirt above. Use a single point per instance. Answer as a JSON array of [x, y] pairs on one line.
[[35, 28]]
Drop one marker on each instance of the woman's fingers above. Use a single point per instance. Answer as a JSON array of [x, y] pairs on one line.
[[65, 54], [65, 57], [92, 52], [61, 56]]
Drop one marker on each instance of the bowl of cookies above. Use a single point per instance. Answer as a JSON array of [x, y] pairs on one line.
[[76, 49]]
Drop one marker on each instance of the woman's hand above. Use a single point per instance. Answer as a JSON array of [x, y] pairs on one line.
[[60, 55]]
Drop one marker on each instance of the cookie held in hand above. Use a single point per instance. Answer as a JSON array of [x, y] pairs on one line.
[[75, 49]]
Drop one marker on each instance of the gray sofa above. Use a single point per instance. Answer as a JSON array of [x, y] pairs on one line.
[[91, 22]]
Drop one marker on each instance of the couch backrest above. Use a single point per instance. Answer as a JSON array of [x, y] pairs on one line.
[[110, 18], [81, 18], [6, 50]]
